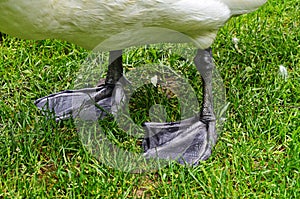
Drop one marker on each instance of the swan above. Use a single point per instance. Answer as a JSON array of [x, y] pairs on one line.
[[89, 23]]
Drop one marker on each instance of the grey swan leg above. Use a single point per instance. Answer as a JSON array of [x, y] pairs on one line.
[[70, 103], [188, 141]]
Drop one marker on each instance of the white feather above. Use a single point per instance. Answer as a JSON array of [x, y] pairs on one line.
[[283, 72], [90, 22]]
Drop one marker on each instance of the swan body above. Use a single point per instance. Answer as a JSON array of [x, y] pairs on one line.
[[87, 23]]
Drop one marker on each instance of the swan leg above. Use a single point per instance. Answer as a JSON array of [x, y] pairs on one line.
[[205, 65], [188, 141], [74, 103], [114, 73], [115, 68]]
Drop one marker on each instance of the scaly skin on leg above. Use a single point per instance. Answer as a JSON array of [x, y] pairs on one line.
[[114, 73], [115, 68], [205, 65]]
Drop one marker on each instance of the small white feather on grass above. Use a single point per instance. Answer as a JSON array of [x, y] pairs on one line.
[[283, 72], [236, 41]]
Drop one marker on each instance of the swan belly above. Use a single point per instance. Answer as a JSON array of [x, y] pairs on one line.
[[89, 23]]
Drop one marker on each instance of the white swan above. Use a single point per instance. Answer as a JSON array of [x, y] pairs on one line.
[[90, 22]]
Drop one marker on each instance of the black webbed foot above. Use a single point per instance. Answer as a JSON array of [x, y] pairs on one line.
[[74, 103]]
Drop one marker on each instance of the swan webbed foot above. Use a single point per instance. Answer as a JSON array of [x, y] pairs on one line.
[[74, 103], [188, 141]]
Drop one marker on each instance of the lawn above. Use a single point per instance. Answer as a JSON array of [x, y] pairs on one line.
[[258, 151]]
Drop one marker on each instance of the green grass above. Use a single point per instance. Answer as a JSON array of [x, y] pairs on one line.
[[258, 152]]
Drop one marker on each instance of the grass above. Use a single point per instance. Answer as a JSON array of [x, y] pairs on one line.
[[257, 154]]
